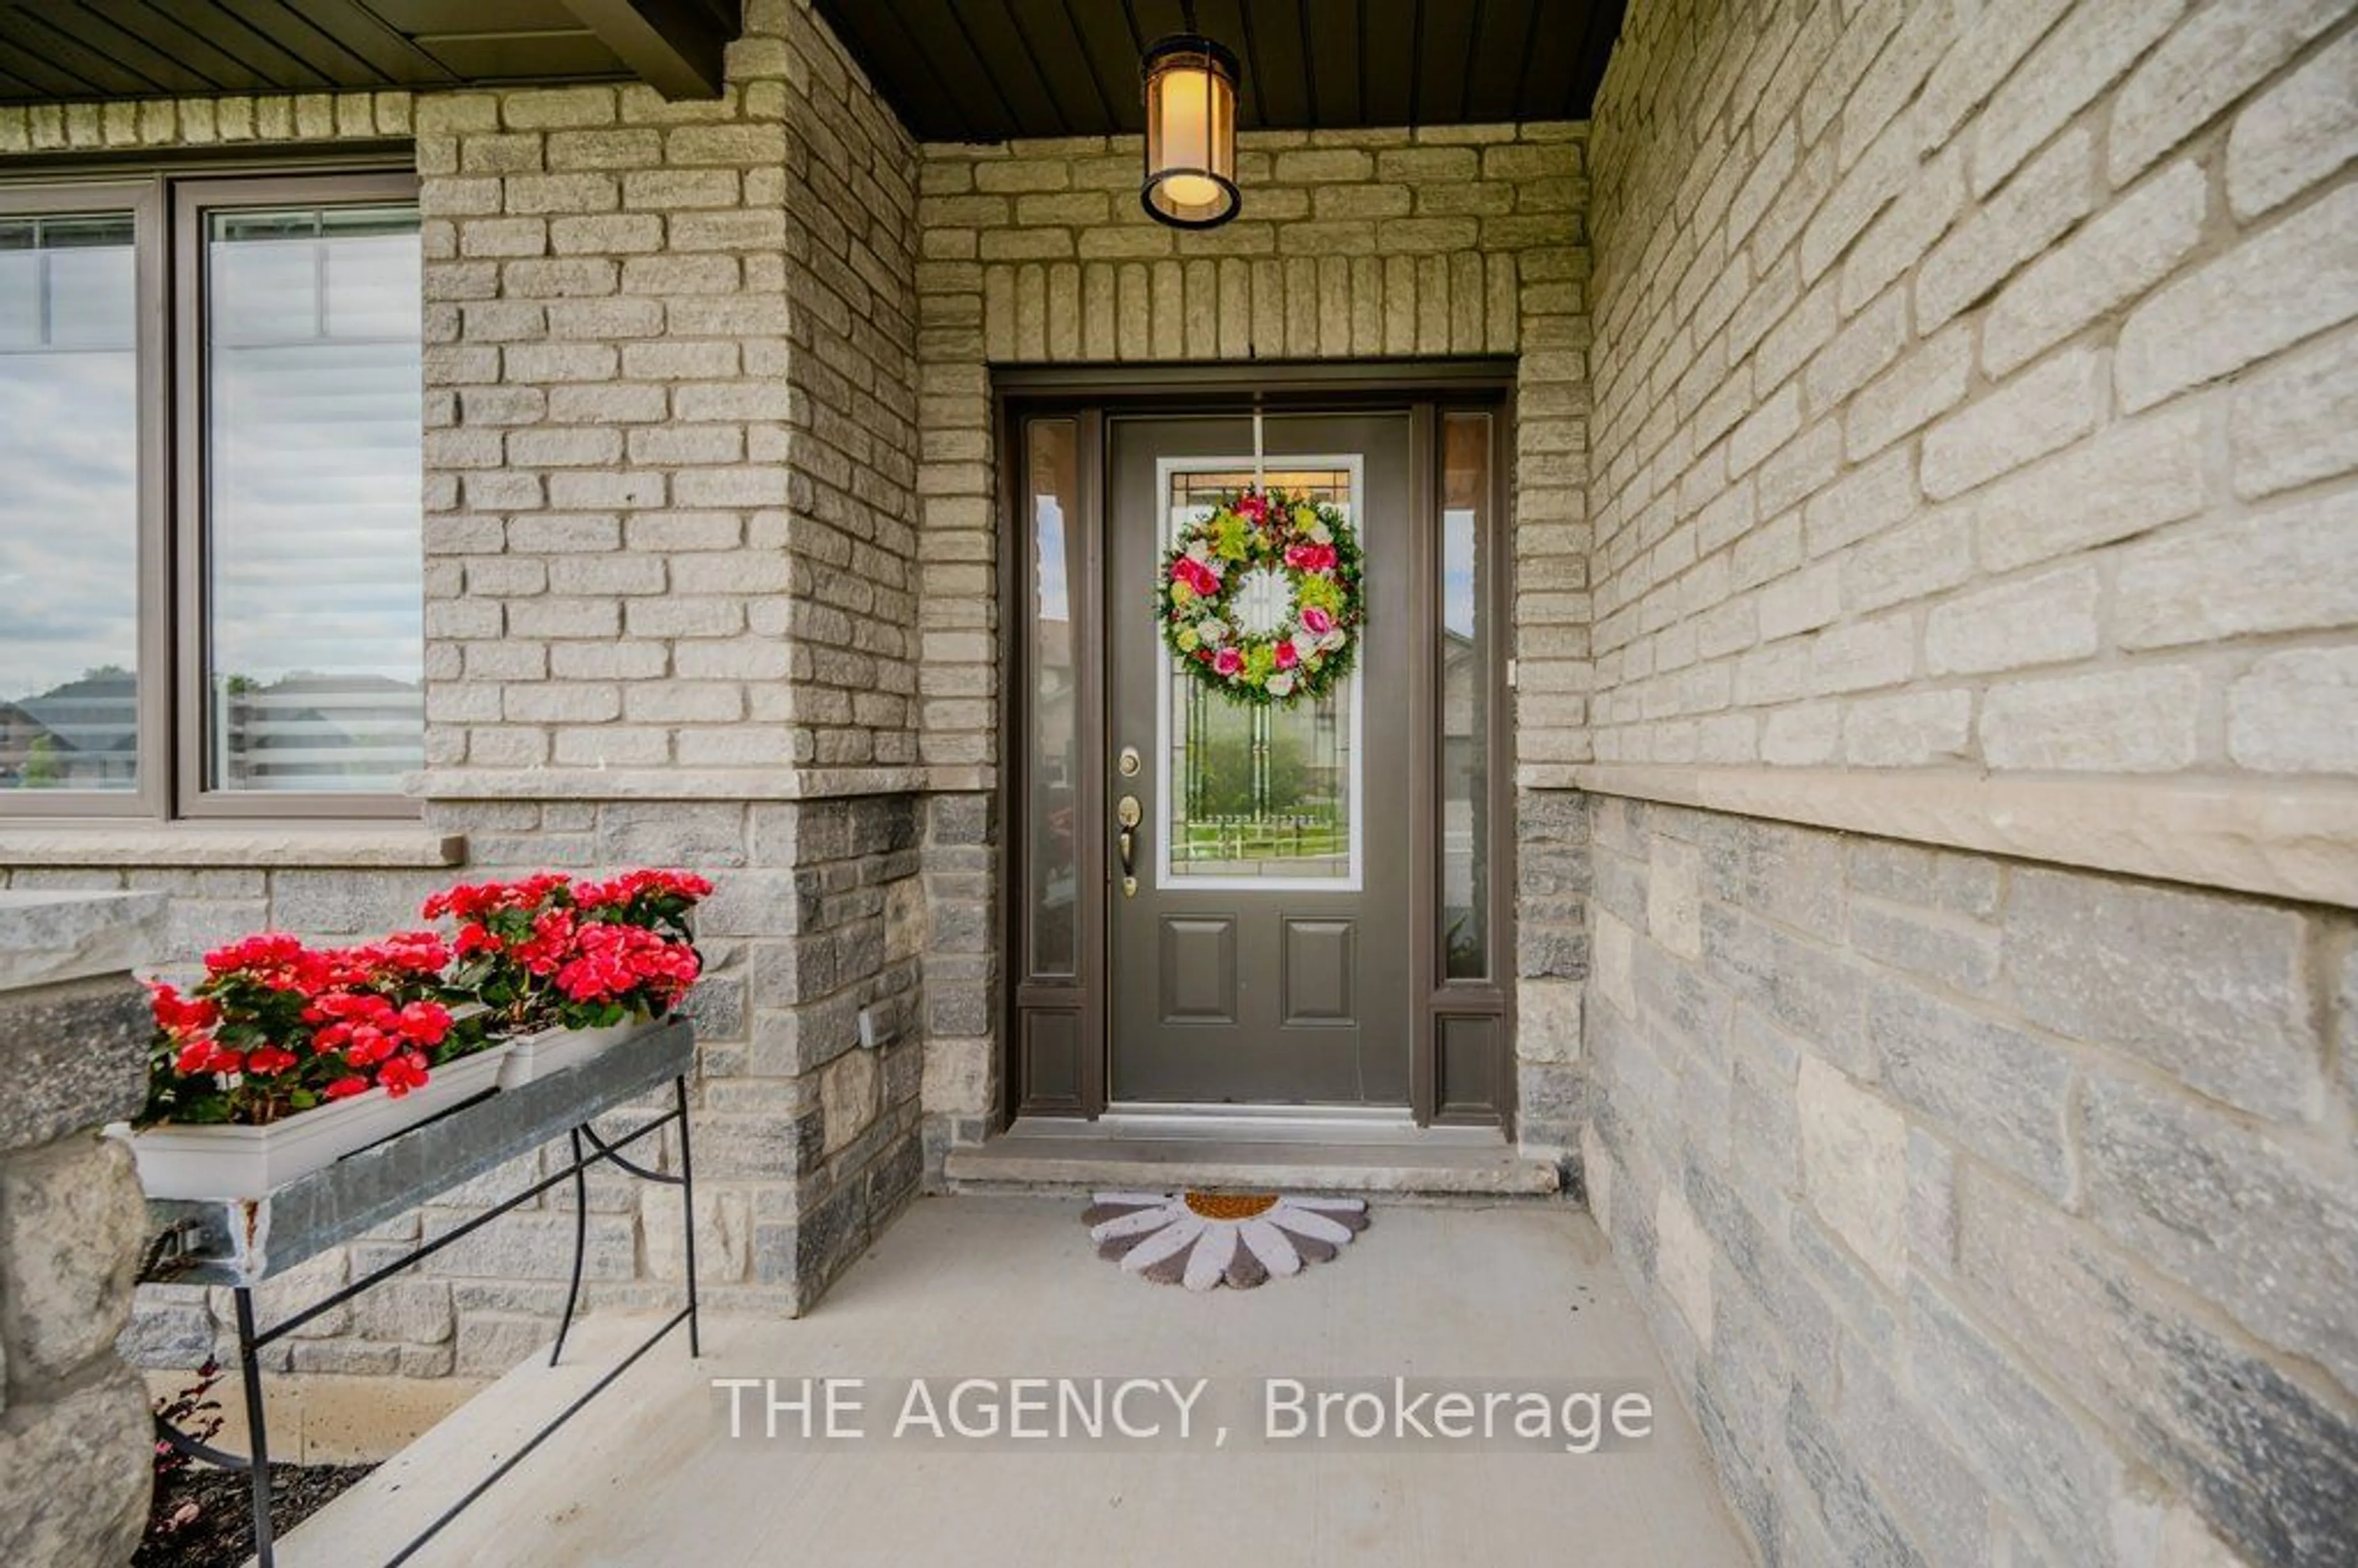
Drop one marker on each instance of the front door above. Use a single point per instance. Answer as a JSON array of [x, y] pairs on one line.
[[1264, 955]]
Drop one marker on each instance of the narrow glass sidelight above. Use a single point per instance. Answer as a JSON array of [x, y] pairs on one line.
[[314, 624], [69, 512], [1052, 469], [1465, 662]]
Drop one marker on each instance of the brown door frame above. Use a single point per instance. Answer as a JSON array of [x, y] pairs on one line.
[[1090, 395]]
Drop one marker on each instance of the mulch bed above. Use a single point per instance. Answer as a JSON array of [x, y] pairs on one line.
[[222, 1535]]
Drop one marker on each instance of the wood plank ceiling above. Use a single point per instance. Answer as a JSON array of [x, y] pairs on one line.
[[66, 50], [986, 70]]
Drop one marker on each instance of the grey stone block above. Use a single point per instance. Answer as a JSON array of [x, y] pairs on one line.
[[76, 1057], [1551, 816], [488, 1346], [717, 1008], [76, 1475], [957, 819], [1961, 955], [757, 903], [170, 1328], [1619, 885], [1805, 987], [1791, 875], [2236, 1215], [346, 1358], [343, 904], [530, 1246], [1854, 1294], [1926, 878], [2038, 1458], [1853, 1515], [399, 1311], [692, 836], [2210, 988], [2268, 1459], [1998, 1091], [1944, 1508], [47, 938], [71, 1224]]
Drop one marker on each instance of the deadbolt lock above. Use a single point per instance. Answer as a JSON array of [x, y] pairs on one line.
[[1128, 763]]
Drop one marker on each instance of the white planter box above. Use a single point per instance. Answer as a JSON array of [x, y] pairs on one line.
[[231, 1162], [534, 1056]]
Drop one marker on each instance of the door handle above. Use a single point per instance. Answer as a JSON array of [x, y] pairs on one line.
[[1128, 812]]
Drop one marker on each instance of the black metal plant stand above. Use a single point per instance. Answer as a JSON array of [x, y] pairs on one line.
[[239, 1244]]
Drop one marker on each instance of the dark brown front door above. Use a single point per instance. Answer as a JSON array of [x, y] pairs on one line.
[[1264, 957]]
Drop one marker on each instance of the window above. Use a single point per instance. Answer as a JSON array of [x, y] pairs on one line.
[[210, 562]]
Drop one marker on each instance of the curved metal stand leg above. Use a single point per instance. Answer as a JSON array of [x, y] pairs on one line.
[[249, 1369], [580, 1245], [688, 1214]]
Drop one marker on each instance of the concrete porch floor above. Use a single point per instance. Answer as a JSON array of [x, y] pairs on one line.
[[1518, 1294]]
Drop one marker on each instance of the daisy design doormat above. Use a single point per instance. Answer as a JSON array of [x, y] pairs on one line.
[[1203, 1241]]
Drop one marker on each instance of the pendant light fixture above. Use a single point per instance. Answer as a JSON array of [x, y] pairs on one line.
[[1191, 130]]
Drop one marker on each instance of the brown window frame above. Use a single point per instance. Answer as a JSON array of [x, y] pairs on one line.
[[168, 209]]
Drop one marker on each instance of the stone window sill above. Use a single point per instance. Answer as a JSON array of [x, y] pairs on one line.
[[2295, 839], [353, 845]]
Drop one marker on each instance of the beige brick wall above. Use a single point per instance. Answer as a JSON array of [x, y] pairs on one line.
[[1352, 244], [1974, 387], [671, 444]]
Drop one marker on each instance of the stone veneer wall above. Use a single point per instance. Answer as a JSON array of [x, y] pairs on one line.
[[1974, 393], [74, 1438], [1984, 1211], [670, 544], [1446, 240], [1974, 387]]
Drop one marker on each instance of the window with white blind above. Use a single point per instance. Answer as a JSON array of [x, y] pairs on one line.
[[210, 561]]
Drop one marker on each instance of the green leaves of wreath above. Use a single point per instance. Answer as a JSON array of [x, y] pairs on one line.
[[1261, 599]]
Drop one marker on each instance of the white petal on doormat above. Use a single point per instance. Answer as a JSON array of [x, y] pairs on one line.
[[1209, 1262], [1131, 1224], [1163, 1244], [1303, 1222], [1268, 1244]]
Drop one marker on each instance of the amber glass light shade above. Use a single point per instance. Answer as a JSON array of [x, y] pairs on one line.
[[1191, 133]]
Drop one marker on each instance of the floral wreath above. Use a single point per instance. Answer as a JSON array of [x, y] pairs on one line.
[[1260, 599]]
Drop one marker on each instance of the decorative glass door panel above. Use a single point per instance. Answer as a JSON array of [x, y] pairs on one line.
[[1256, 796]]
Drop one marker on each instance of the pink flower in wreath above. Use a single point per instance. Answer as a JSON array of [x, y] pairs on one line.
[[1253, 509], [1228, 661], [1195, 575], [1316, 620], [1310, 557], [1285, 655]]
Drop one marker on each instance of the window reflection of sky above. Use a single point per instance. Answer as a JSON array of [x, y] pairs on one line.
[[315, 415], [1049, 529], [1457, 571], [314, 448], [69, 455]]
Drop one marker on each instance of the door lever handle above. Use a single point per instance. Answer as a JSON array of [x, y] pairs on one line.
[[1127, 813]]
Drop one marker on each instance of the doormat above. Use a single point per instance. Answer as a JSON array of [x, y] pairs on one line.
[[1203, 1241]]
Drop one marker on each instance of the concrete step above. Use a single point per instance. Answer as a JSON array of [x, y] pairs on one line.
[[1403, 1165]]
